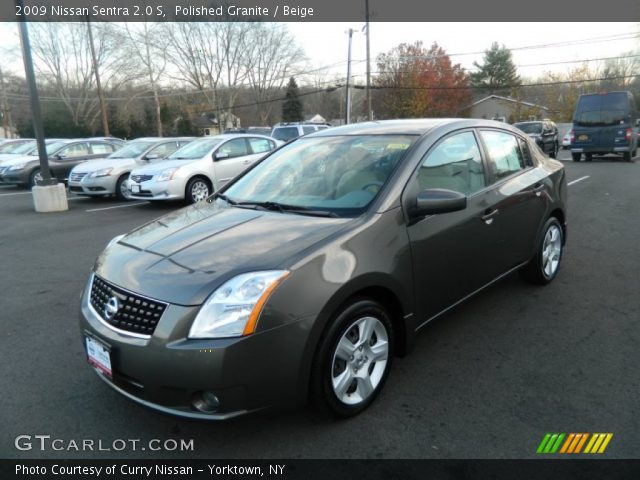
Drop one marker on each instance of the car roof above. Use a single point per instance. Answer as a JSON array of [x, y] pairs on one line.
[[418, 126]]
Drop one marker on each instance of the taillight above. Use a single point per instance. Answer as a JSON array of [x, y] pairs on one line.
[[628, 134], [571, 136]]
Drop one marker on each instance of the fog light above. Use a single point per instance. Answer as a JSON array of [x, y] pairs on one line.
[[206, 402]]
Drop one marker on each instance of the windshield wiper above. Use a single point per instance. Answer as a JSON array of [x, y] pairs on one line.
[[223, 197], [284, 208]]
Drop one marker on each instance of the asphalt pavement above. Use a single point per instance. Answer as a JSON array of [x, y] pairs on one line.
[[487, 380]]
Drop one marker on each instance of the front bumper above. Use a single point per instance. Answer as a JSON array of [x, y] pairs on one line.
[[18, 177], [152, 190], [166, 371], [94, 186]]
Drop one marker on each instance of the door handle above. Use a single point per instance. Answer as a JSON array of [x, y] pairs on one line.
[[489, 216], [538, 188]]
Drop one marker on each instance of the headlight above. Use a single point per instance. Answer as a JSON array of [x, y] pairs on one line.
[[114, 240], [233, 309], [166, 174], [105, 172], [17, 167]]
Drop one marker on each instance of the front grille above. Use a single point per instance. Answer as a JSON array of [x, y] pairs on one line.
[[77, 177], [141, 178], [75, 189], [131, 312]]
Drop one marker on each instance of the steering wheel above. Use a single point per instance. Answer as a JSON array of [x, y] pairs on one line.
[[373, 184]]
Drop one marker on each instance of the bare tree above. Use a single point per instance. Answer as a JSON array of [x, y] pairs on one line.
[[146, 44], [270, 60], [63, 59]]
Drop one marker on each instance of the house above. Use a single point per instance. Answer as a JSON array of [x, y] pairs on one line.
[[506, 109], [208, 124]]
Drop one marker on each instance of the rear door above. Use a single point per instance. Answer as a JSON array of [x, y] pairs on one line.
[[518, 193]]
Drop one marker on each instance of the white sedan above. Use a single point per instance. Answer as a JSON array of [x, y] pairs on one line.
[[200, 168]]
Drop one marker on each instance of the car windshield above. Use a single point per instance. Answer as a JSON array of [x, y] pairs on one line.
[[534, 127], [132, 149], [285, 133], [13, 147], [23, 148], [55, 146], [336, 176], [195, 149]]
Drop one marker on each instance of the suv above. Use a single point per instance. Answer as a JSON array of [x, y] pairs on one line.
[[544, 133], [605, 123], [289, 131]]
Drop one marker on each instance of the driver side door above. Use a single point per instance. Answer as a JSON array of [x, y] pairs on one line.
[[453, 253]]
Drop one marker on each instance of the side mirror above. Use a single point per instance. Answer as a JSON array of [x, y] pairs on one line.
[[151, 156], [438, 200], [60, 156], [220, 156]]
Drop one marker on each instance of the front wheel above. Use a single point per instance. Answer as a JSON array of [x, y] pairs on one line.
[[122, 192], [543, 267], [197, 190]]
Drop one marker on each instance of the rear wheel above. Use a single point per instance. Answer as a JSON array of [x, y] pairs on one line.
[[554, 152], [576, 157], [543, 267], [198, 189], [354, 358], [626, 156], [121, 187], [588, 157]]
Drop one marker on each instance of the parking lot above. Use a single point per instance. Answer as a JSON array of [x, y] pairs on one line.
[[486, 380]]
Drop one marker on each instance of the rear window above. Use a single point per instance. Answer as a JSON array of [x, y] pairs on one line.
[[603, 110], [285, 133]]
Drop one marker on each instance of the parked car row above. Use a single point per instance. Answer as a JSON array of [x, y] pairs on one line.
[[64, 154]]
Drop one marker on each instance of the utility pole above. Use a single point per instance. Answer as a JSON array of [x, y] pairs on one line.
[[369, 111], [347, 108], [7, 124], [34, 100], [103, 107]]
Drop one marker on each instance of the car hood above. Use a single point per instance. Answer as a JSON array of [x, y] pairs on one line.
[[183, 257], [93, 165], [19, 160], [157, 167]]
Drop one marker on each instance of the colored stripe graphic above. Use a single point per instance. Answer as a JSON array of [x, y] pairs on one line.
[[573, 443]]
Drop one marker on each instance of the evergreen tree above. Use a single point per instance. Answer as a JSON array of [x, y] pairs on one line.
[[292, 106], [497, 73]]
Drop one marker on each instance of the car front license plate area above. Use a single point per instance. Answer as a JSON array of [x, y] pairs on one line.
[[135, 188], [99, 356]]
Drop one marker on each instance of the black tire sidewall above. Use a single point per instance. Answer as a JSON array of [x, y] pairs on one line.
[[322, 388], [188, 193], [119, 183]]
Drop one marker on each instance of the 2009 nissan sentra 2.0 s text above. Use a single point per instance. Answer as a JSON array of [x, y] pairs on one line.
[[305, 276]]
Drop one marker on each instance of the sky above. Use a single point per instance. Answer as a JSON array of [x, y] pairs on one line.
[[326, 43]]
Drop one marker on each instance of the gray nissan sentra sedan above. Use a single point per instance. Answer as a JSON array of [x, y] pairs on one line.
[[307, 274]]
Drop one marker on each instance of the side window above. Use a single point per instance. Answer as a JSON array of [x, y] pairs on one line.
[[76, 150], [526, 152], [101, 148], [308, 129], [163, 150], [505, 155], [234, 148], [259, 145], [454, 164]]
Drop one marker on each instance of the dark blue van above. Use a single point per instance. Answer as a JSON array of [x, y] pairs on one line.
[[605, 123]]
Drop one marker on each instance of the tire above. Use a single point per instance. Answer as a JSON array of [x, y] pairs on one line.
[[588, 157], [626, 156], [349, 371], [35, 177], [198, 189], [576, 157], [554, 153], [544, 266], [121, 192]]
